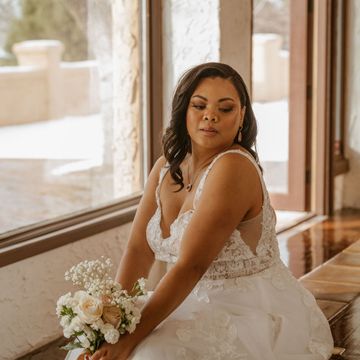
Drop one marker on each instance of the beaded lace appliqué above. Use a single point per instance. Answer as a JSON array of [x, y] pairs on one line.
[[236, 259]]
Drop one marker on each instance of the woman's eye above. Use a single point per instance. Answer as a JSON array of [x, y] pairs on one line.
[[198, 106], [226, 110]]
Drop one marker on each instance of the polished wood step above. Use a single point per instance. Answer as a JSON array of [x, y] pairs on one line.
[[336, 285]]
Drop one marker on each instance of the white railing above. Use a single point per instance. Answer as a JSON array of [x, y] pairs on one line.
[[270, 68]]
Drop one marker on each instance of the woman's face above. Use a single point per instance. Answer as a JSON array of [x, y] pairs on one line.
[[214, 114]]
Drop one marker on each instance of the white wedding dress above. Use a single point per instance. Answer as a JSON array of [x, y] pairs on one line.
[[246, 306]]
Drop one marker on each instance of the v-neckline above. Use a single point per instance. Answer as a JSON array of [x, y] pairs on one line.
[[180, 215], [164, 238]]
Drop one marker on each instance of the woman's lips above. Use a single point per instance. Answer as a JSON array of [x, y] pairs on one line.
[[209, 131]]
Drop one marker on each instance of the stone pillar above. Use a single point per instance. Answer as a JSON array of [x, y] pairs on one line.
[[191, 36], [99, 34], [45, 54], [235, 19], [126, 97]]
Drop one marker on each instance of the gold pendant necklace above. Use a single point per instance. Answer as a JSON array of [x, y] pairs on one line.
[[189, 186]]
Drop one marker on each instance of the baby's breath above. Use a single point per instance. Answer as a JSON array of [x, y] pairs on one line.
[[100, 290]]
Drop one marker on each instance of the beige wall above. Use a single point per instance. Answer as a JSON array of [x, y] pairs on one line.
[[31, 287]]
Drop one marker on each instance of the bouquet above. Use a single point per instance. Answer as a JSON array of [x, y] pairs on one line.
[[102, 311]]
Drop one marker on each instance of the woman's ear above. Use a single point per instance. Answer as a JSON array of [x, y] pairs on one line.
[[242, 113]]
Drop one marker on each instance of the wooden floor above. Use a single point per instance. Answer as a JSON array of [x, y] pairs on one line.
[[336, 283], [326, 259]]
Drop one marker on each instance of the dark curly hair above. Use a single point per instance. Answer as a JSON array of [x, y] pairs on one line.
[[176, 140]]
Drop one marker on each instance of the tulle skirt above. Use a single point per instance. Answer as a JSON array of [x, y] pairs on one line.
[[263, 316]]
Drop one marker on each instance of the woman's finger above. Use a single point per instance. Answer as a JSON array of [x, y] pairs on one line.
[[97, 355]]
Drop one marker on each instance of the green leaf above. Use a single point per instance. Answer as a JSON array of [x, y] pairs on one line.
[[71, 346]]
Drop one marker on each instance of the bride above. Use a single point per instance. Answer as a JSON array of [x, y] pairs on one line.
[[206, 212]]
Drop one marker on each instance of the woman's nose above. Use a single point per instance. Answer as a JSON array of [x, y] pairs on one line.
[[211, 117]]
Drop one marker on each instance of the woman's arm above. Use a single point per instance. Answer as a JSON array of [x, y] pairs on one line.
[[232, 188], [138, 257]]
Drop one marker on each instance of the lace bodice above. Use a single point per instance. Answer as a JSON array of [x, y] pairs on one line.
[[236, 258]]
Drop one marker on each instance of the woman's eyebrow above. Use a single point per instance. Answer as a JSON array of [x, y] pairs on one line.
[[201, 97], [225, 99], [220, 100]]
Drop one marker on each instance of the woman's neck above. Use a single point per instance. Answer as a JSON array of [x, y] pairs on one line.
[[201, 156]]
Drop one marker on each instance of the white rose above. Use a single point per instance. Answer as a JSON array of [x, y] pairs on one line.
[[89, 308], [112, 336], [106, 327]]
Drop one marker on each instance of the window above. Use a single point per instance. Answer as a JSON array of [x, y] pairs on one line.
[[280, 69], [338, 46], [71, 120]]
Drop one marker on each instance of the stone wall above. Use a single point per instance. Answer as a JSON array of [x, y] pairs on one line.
[[31, 287]]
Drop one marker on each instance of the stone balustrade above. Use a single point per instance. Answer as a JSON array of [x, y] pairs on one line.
[[270, 68], [42, 87]]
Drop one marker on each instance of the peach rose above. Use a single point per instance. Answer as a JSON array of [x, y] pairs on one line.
[[112, 315]]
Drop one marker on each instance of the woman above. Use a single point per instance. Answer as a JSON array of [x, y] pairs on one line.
[[206, 212]]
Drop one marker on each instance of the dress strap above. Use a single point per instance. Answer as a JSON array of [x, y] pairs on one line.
[[205, 174], [162, 174]]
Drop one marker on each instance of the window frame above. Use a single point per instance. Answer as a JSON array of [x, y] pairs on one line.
[[339, 10], [35, 239]]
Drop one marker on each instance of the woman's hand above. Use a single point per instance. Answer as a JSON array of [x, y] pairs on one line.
[[119, 351]]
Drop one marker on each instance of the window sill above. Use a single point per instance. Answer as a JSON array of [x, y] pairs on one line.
[[33, 240]]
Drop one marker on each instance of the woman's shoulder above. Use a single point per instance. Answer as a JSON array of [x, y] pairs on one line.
[[234, 182], [160, 162], [154, 174], [230, 161], [236, 148]]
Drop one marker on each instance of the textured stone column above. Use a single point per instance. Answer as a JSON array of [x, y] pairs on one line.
[[191, 35], [126, 97], [235, 36], [99, 33]]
